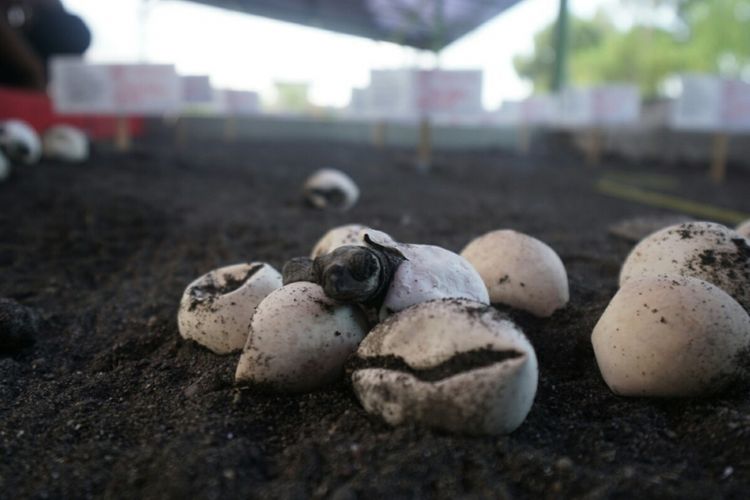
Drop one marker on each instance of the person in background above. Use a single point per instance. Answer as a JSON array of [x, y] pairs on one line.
[[31, 32]]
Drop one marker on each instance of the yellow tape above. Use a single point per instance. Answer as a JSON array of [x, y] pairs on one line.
[[675, 203]]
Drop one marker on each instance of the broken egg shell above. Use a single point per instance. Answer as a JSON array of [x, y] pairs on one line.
[[744, 229], [331, 188], [703, 250], [671, 336], [299, 339], [492, 397], [348, 234], [20, 142], [216, 309], [520, 271], [65, 143], [430, 273]]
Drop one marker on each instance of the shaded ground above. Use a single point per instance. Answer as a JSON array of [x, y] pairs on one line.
[[111, 403]]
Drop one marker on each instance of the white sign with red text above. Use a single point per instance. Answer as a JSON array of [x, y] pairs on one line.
[[78, 87]]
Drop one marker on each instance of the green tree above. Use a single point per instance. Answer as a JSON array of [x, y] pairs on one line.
[[707, 36]]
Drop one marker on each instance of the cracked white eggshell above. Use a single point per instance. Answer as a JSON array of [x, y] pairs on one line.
[[520, 271], [348, 234], [216, 309], [430, 273], [65, 143], [703, 250], [300, 339], [491, 399], [331, 180], [20, 142], [744, 229], [671, 336]]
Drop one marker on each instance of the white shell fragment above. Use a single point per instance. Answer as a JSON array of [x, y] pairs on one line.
[[430, 273], [348, 234], [20, 142], [331, 188], [216, 309], [300, 339], [519, 271], [65, 143], [744, 229], [671, 336], [5, 168], [455, 365], [703, 250]]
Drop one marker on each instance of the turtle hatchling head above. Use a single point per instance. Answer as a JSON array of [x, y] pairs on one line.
[[351, 274]]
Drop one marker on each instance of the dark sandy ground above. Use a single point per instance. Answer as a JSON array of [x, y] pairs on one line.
[[110, 402]]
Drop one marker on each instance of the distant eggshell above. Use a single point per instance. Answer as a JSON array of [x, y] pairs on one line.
[[519, 271], [300, 339], [431, 273], [65, 143], [5, 168], [703, 250], [20, 142], [744, 229], [331, 188], [455, 365], [216, 309], [671, 336]]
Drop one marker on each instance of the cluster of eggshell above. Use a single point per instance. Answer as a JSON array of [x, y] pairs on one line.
[[21, 145], [436, 353], [678, 326]]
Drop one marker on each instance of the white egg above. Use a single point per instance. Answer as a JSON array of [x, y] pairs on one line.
[[520, 271], [300, 339], [65, 143], [331, 188], [20, 142], [671, 336]]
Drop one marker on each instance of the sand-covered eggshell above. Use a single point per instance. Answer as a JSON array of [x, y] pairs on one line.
[[430, 273], [300, 339], [331, 188], [20, 142], [65, 143], [519, 271], [455, 365], [216, 309], [703, 250], [671, 336]]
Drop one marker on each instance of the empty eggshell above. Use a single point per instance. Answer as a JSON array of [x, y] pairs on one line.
[[216, 309], [65, 143], [703, 250], [519, 271], [5, 168], [20, 142], [348, 234], [671, 336], [300, 339], [450, 364], [331, 188], [744, 229]]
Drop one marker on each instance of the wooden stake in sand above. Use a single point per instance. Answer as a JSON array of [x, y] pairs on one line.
[[719, 157], [378, 134], [180, 131], [593, 147], [230, 129], [424, 151], [524, 138], [122, 134]]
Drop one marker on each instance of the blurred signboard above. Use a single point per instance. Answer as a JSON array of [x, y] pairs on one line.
[[240, 102], [735, 112], [539, 110], [699, 105], [78, 87], [197, 90], [609, 105], [576, 107]]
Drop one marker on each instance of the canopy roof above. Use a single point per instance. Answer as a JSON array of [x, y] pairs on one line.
[[424, 24]]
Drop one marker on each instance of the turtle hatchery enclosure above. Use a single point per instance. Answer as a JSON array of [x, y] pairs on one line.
[[102, 397]]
